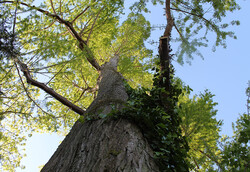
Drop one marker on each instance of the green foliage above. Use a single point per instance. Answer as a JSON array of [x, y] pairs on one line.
[[200, 128], [141, 5], [161, 129], [195, 19], [15, 107], [235, 153], [232, 153], [8, 45], [53, 57]]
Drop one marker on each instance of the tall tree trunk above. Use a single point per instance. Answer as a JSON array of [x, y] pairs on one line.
[[104, 145]]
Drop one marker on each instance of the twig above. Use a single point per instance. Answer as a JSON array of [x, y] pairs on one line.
[[75, 84], [14, 24], [49, 25], [207, 21], [80, 96], [84, 27], [197, 166], [182, 38], [46, 67], [82, 44], [52, 7], [2, 113], [212, 159], [60, 7], [56, 74], [80, 14], [93, 25]]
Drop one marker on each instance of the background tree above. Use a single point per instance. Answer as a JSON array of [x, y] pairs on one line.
[[235, 150], [201, 129], [208, 150], [53, 51]]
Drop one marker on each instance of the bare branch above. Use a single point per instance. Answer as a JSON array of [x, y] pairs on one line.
[[60, 7], [197, 166], [14, 25], [80, 96], [211, 158], [83, 29], [46, 67], [5, 112]]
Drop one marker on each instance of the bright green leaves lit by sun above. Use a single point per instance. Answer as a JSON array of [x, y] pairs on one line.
[[130, 44], [53, 56], [200, 127]]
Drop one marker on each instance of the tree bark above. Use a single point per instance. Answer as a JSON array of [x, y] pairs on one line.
[[104, 145]]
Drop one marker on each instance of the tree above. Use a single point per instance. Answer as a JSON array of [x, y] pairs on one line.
[[235, 150], [209, 153], [69, 42], [201, 129]]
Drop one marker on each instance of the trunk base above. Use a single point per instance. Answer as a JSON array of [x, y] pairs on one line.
[[103, 146]]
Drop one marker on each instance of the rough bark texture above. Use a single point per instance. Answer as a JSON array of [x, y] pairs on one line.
[[104, 145]]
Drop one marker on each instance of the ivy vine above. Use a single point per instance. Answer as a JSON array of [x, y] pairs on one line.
[[159, 122], [160, 126]]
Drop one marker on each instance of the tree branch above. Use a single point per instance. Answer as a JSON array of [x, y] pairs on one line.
[[82, 44], [182, 38], [60, 8], [48, 90], [84, 27], [204, 19], [52, 7], [49, 26], [80, 14], [56, 74], [46, 67], [27, 93], [15, 112], [170, 21], [93, 25], [211, 158]]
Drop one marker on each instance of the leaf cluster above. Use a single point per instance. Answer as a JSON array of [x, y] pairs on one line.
[[196, 20], [161, 129], [235, 153], [200, 127]]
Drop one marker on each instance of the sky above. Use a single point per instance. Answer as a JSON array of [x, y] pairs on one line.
[[224, 72]]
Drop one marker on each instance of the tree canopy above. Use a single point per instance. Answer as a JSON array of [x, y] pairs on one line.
[[59, 46]]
